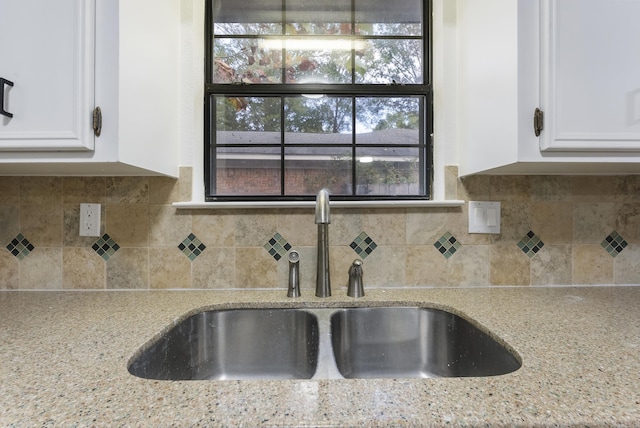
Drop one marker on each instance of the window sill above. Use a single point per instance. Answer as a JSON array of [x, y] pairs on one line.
[[311, 204]]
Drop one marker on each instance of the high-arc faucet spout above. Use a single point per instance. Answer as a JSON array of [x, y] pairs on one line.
[[323, 281]]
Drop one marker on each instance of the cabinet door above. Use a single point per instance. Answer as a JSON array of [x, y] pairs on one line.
[[46, 51], [590, 75]]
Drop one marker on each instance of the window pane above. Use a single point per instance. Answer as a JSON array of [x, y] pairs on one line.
[[248, 171], [246, 60], [376, 17], [390, 60], [325, 120], [252, 114], [388, 120], [318, 17], [330, 63], [388, 171], [309, 169], [248, 12]]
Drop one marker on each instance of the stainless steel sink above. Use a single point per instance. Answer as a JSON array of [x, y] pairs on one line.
[[405, 342], [234, 344], [323, 343]]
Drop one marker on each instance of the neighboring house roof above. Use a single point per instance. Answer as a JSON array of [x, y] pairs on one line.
[[316, 146]]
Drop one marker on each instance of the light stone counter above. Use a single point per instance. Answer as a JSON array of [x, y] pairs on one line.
[[63, 362]]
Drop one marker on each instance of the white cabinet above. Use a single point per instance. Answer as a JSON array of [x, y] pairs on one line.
[[590, 75], [576, 60], [46, 63], [134, 79]]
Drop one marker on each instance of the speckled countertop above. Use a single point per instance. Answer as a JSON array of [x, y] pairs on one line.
[[63, 362]]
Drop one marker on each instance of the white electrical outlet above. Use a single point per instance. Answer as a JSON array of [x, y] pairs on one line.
[[89, 219]]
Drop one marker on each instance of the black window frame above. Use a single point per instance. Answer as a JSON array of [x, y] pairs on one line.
[[391, 90]]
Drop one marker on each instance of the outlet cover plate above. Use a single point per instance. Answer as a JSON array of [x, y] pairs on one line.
[[484, 217], [89, 219]]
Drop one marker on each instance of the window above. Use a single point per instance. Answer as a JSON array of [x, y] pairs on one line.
[[302, 95]]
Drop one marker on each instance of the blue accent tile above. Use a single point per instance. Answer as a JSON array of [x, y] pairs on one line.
[[20, 247], [447, 245], [105, 247], [191, 247], [530, 244], [614, 244], [363, 245], [277, 246]]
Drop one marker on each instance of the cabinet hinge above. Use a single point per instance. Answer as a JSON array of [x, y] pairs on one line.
[[538, 122], [97, 121]]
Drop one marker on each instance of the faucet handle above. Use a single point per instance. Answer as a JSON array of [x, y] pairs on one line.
[[294, 274], [356, 285]]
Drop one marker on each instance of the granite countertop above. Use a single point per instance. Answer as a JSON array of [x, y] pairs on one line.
[[64, 363]]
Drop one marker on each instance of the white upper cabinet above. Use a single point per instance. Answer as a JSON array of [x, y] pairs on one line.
[[590, 75], [46, 72], [67, 57], [578, 61]]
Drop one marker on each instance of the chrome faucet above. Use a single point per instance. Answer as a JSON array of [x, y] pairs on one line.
[[294, 275], [356, 286], [323, 280]]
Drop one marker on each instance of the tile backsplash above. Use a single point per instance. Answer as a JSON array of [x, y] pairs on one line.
[[555, 230]]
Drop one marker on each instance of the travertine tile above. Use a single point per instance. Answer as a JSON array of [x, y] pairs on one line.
[[552, 265], [127, 190], [627, 266], [515, 221], [128, 268], [470, 266], [128, 224], [593, 221], [71, 227], [41, 190], [213, 228], [169, 268], [451, 182], [591, 265], [42, 224], [627, 222], [82, 269], [551, 188], [166, 190], [385, 267], [345, 226], [10, 269], [10, 189], [552, 221], [509, 266], [425, 266], [9, 222], [629, 188], [595, 188], [255, 268], [510, 187], [215, 269], [474, 188], [79, 190], [299, 227], [426, 227], [254, 229], [385, 227], [42, 270], [168, 226], [340, 259]]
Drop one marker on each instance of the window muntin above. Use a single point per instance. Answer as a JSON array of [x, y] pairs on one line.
[[303, 96]]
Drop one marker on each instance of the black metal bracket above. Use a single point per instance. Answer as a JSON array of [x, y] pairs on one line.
[[2, 110]]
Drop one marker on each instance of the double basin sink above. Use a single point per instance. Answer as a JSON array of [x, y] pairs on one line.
[[324, 343]]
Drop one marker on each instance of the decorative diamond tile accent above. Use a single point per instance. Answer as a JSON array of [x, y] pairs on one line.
[[105, 247], [20, 247], [277, 246], [447, 245], [530, 244], [614, 244], [191, 247], [363, 245]]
